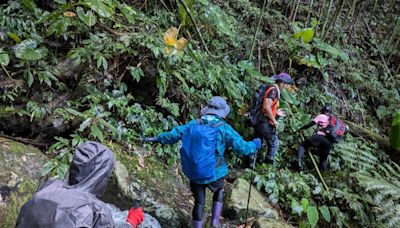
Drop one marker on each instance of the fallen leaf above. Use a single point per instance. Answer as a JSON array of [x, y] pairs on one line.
[[69, 14], [170, 36], [141, 161], [181, 43], [166, 49]]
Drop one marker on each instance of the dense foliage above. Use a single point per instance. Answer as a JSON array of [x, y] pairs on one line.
[[118, 71]]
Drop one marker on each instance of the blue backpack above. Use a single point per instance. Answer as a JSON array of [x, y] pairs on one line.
[[198, 150]]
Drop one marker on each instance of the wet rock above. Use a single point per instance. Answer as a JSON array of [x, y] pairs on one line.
[[161, 190], [235, 203]]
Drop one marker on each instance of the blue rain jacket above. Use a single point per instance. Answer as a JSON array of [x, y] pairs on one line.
[[227, 138]]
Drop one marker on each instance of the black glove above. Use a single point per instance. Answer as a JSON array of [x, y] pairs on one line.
[[150, 139]]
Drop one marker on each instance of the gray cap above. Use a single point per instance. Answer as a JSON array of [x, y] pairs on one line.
[[216, 106]]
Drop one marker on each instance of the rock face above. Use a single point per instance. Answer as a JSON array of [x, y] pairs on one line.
[[263, 222], [20, 171], [235, 203], [161, 190]]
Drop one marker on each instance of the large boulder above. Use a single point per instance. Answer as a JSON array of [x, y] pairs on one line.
[[264, 222], [20, 172], [235, 202], [161, 190]]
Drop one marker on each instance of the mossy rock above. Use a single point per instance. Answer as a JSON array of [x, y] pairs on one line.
[[163, 192], [20, 171], [264, 222], [235, 203]]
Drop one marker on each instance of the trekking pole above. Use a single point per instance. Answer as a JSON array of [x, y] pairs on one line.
[[251, 179], [315, 165]]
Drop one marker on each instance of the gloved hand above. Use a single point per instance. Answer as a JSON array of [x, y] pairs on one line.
[[257, 142], [150, 139], [135, 216]]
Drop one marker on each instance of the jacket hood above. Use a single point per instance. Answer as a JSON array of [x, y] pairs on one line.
[[90, 168]]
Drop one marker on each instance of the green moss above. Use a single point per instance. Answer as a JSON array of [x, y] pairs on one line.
[[154, 173], [16, 147], [8, 215]]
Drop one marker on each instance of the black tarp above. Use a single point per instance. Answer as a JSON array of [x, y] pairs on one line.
[[73, 202]]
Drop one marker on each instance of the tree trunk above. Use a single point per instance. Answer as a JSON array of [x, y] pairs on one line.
[[309, 12], [327, 17], [333, 21]]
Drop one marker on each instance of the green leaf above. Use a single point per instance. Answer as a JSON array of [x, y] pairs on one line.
[[101, 7], [382, 112], [4, 59], [48, 167], [183, 16], [85, 124], [333, 51], [88, 18], [96, 132], [101, 61], [304, 203], [28, 78], [306, 35], [59, 27], [311, 61], [304, 224], [314, 23], [394, 132], [14, 37], [27, 50], [325, 75], [62, 169], [136, 73], [325, 213], [312, 215], [61, 1], [29, 4], [129, 13]]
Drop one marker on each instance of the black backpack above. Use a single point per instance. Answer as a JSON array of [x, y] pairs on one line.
[[254, 115]]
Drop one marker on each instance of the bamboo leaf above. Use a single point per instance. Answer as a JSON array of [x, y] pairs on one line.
[[96, 132], [85, 124]]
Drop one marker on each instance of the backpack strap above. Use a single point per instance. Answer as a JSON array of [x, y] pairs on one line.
[[265, 96]]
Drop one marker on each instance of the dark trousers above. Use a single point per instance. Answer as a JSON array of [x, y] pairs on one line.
[[199, 193], [323, 145], [268, 133]]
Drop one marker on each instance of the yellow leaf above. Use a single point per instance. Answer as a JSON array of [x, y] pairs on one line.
[[166, 49], [170, 36], [69, 14], [181, 43]]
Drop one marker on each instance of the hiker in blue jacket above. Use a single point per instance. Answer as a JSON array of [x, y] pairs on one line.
[[204, 142]]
